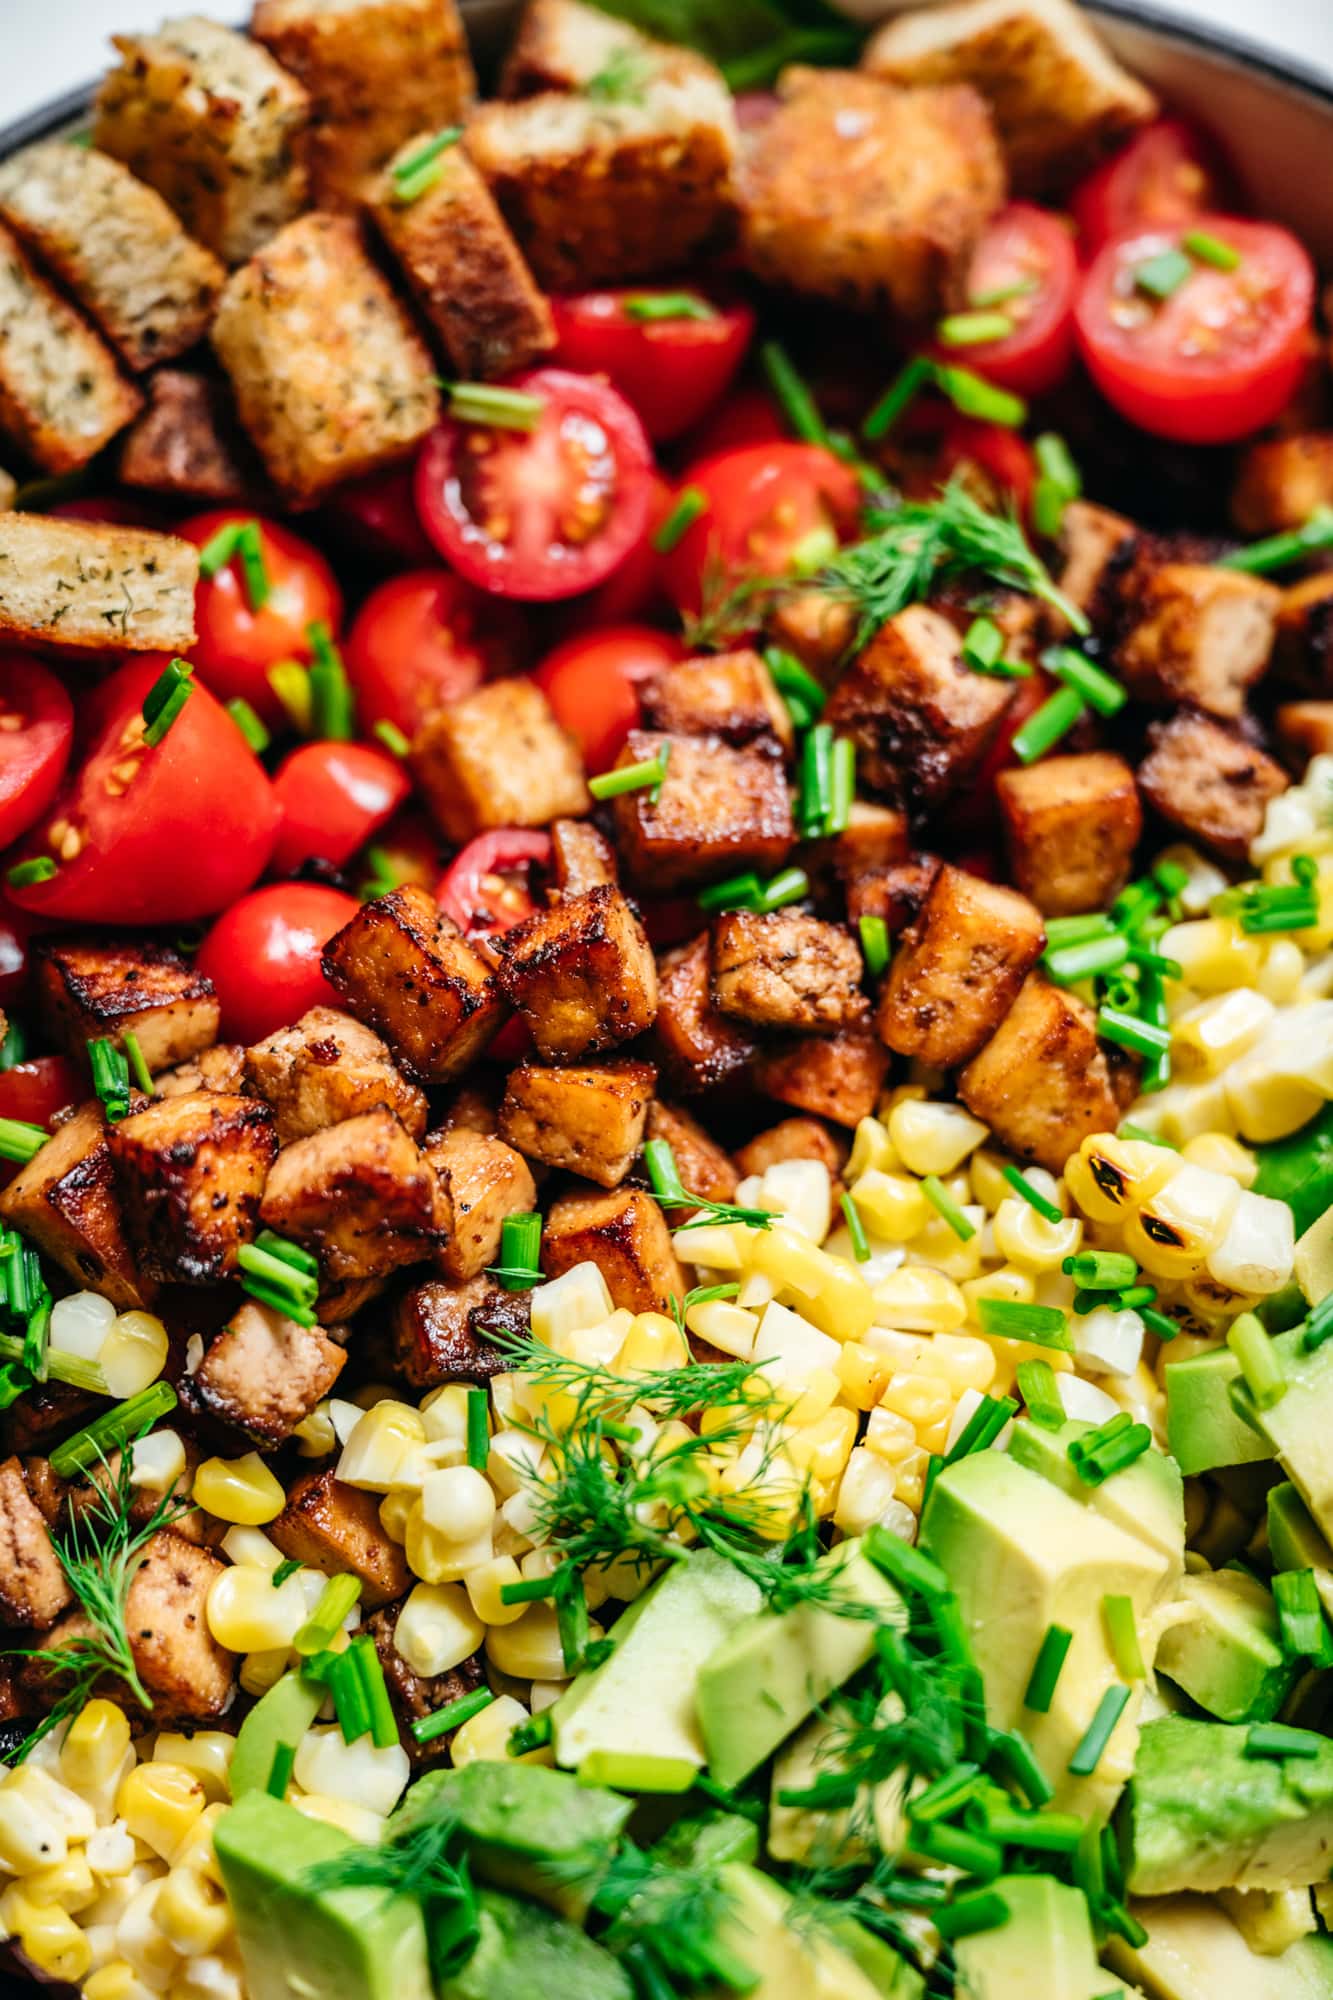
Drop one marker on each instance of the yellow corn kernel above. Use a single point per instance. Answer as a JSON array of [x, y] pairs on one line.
[[133, 1354], [1186, 1218], [960, 1360], [94, 1745], [444, 1414], [196, 1850], [1110, 1177], [577, 1298], [890, 1204], [70, 1883], [383, 1447], [1027, 1239], [207, 1753], [933, 1138], [530, 1649], [247, 1615], [790, 1260], [394, 1510], [909, 1478], [843, 1306], [817, 1394], [919, 1300], [1218, 1154], [597, 1346], [484, 1737], [160, 1803], [54, 1942], [238, 1489], [654, 1342], [263, 1669], [889, 1435], [724, 1325], [505, 1398], [458, 1501], [986, 1173], [871, 1147], [822, 1449], [360, 1823], [117, 1980], [716, 1246], [1284, 1080], [1214, 954], [315, 1436], [938, 1244], [1204, 1039], [1007, 1283], [1259, 1248], [437, 1628], [1282, 972], [863, 1374], [867, 1487], [192, 1913], [32, 1834], [925, 1402], [483, 1586], [438, 1558]]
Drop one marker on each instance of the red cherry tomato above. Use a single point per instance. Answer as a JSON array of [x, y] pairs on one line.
[[122, 510], [592, 684], [748, 416], [671, 370], [539, 514], [486, 888], [334, 796], [424, 639], [1001, 455], [262, 955], [772, 510], [34, 1091], [1167, 174], [408, 849], [633, 590], [1218, 358], [237, 645], [380, 513], [16, 933], [153, 835], [36, 729], [1025, 246]]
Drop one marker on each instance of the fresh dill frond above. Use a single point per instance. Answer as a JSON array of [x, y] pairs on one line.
[[666, 1926], [427, 1862], [667, 1392], [730, 608]]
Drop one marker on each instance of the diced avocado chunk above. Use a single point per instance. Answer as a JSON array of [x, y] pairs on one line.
[[1202, 1428], [766, 1677], [526, 1952], [1044, 1948], [707, 1840], [1147, 1498], [283, 1715], [1299, 1170], [298, 1941], [1229, 1656], [1193, 1951], [832, 1959], [1295, 1542], [1299, 1425]]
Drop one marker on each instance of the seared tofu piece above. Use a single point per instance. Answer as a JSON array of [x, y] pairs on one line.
[[481, 1182], [360, 1195], [784, 969], [705, 1169], [33, 1590], [89, 988], [838, 1077], [63, 1501], [325, 1068], [1282, 481], [1059, 98], [331, 378], [1071, 824], [867, 195], [1209, 782], [264, 1374], [414, 1695], [1042, 1082], [957, 971], [581, 857], [64, 1200], [628, 1238], [815, 625], [1305, 730], [920, 718], [588, 1117], [874, 837], [435, 1337], [582, 975], [116, 245], [406, 970], [190, 1171], [895, 893], [720, 811], [467, 273], [1194, 632], [62, 393], [44, 1415], [793, 1139], [220, 1068], [81, 584], [1303, 649], [498, 758], [471, 1108], [1089, 539], [337, 1529], [730, 695], [699, 1048], [188, 444]]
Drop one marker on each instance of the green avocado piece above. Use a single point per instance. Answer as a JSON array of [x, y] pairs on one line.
[[1299, 1170], [1045, 1949], [832, 1959], [707, 1840], [1202, 1428], [283, 1715], [1146, 1499], [1229, 1656], [1299, 1425], [1193, 1951], [1296, 1542], [297, 1941], [527, 1953]]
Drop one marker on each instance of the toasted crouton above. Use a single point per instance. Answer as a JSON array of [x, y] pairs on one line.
[[868, 195], [704, 1168], [1282, 481], [785, 969], [1303, 648], [1305, 730], [1072, 824], [956, 973], [64, 1200], [1209, 781], [90, 988], [220, 1068], [481, 1182], [498, 758], [730, 695], [589, 1118], [436, 1337], [1089, 538], [33, 1590], [874, 837], [1042, 1082], [793, 1139], [408, 972], [1194, 632], [628, 1238], [337, 1529], [325, 1068], [190, 1171], [9, 487], [91, 584], [264, 1374], [330, 376], [831, 1076], [62, 394], [360, 1195], [581, 857], [188, 443], [718, 811], [815, 625], [699, 1048], [116, 245], [582, 975], [564, 45]]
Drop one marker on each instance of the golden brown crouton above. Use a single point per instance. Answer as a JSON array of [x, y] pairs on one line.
[[874, 837], [326, 1068], [581, 857], [407, 971], [93, 584], [730, 695], [188, 442], [498, 758], [33, 1590], [784, 969], [220, 1068], [815, 625], [831, 1076], [564, 45], [1194, 632], [330, 376], [868, 195], [719, 811], [628, 1238], [1282, 481], [1305, 729], [62, 394], [264, 1374], [589, 1117], [705, 1168], [957, 971], [360, 1195], [1072, 824], [1209, 781], [89, 988], [9, 487], [436, 1338], [336, 1528], [481, 1182], [1303, 647], [793, 1139], [1089, 538], [699, 1048], [64, 1200], [1041, 1082], [582, 975], [190, 1172]]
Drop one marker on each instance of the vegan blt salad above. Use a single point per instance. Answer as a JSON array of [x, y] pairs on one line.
[[666, 1235]]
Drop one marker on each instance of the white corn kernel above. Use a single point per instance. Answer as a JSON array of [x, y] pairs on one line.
[[80, 1324], [577, 1298], [192, 1913], [484, 1585], [247, 1615], [359, 1772], [110, 1850], [917, 1299], [800, 1192], [363, 1826], [1222, 1155], [1214, 954], [724, 1325], [437, 1628], [1283, 973], [484, 1737], [252, 1546], [871, 1147], [865, 1491], [315, 1436], [444, 1414], [382, 1445], [1258, 1250], [530, 1648], [1108, 1342], [458, 1502], [1084, 1401], [157, 1461], [133, 1354], [1219, 1031], [933, 1138], [206, 1753], [438, 1558], [515, 1459], [1025, 1238], [890, 1204]]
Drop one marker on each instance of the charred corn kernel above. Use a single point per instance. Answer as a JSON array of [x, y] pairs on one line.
[[867, 1488], [69, 1882], [437, 1628], [1213, 1306], [117, 1980], [890, 1204], [157, 1461], [315, 1435], [578, 1298], [939, 1245], [1258, 1250], [246, 1614], [484, 1737], [362, 1825], [263, 1669], [1206, 1038], [54, 1942], [207, 1753], [822, 1449], [871, 1147], [1185, 1218], [192, 1913], [529, 1649], [933, 1138], [159, 1803], [439, 1558], [724, 1325], [459, 1502], [1006, 1283], [133, 1354], [919, 1300], [653, 1342], [394, 1511], [383, 1445], [1214, 954], [862, 1373], [1110, 1177], [926, 1404], [484, 1585], [241, 1490], [359, 1772], [94, 1744], [1218, 1154]]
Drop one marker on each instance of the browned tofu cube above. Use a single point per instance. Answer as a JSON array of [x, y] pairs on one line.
[[588, 1117], [406, 970], [784, 969], [436, 1338], [360, 1195], [956, 974], [699, 1048], [1305, 730], [1282, 481], [1303, 645], [705, 1169], [498, 758], [481, 1182], [414, 1695], [65, 1200], [628, 1238], [1209, 782], [720, 812], [896, 893], [190, 1171], [1194, 632], [42, 1416], [326, 1068], [33, 1590], [337, 1529], [582, 975], [1072, 824], [581, 857], [89, 988], [1090, 537], [220, 1068], [264, 1374], [793, 1139], [1042, 1082], [730, 695], [815, 625], [470, 1108], [874, 837], [188, 443], [920, 718], [831, 1076]]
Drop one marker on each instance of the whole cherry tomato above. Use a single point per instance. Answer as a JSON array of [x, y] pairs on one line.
[[487, 887], [334, 797], [262, 956], [36, 730], [671, 354], [33, 1092], [426, 638], [246, 625], [1023, 274], [769, 511], [592, 682]]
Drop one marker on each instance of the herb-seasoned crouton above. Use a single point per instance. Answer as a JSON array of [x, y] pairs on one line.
[[326, 1068], [793, 1139], [1305, 730], [920, 718], [1303, 648], [1059, 98], [330, 376], [64, 1200], [435, 1338], [481, 1182], [589, 1118], [1072, 824], [337, 1529], [9, 487], [868, 195], [628, 1238], [1209, 781], [62, 394], [581, 857], [815, 625], [1042, 1082], [1282, 481], [699, 1048], [264, 1374], [33, 1590], [719, 811], [455, 250], [407, 971], [831, 1076], [874, 837], [220, 1068], [785, 969], [415, 1695], [1089, 538], [956, 972], [89, 584], [564, 45], [116, 245], [704, 1168], [582, 975], [360, 1195], [89, 988], [498, 758], [895, 893], [1194, 632], [190, 1171], [730, 695], [188, 443]]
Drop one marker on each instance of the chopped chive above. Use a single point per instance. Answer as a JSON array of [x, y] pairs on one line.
[[816, 783], [956, 1847], [339, 1596], [792, 394], [973, 329], [1047, 724], [165, 699], [534, 1734], [902, 391], [796, 684], [1277, 551], [1128, 1130], [453, 1715], [392, 737], [349, 1697], [875, 949], [1101, 1270], [271, 1273], [1277, 1739], [112, 1430], [421, 170], [1041, 1833], [1135, 1297], [19, 1140], [1035, 1382], [280, 1770], [249, 724], [1128, 1032], [1034, 1198], [788, 886], [519, 1268], [254, 570], [1070, 963], [1009, 1757], [26, 874], [1206, 248], [982, 1427], [1088, 1755], [910, 1568], [290, 682], [1318, 1325], [501, 409], [1259, 1360], [1046, 1668], [649, 775], [933, 1188], [738, 892], [1305, 1635], [14, 1048], [983, 643], [1011, 1319], [842, 785], [1061, 931], [1122, 1636], [288, 1567], [370, 1672], [1091, 682], [478, 1430], [1000, 295], [973, 396], [219, 549], [965, 1916], [1058, 482], [529, 1590], [690, 503], [1099, 1453], [1163, 275], [1155, 961], [332, 705], [946, 1794], [855, 1229], [649, 306], [111, 1077]]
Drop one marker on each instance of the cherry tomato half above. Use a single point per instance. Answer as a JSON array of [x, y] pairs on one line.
[[16, 933], [334, 796], [773, 510], [1219, 357], [426, 638], [237, 644], [1167, 174], [592, 684], [671, 369], [1023, 247], [36, 729], [545, 513], [33, 1092], [748, 416], [487, 887], [262, 956], [633, 590]]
